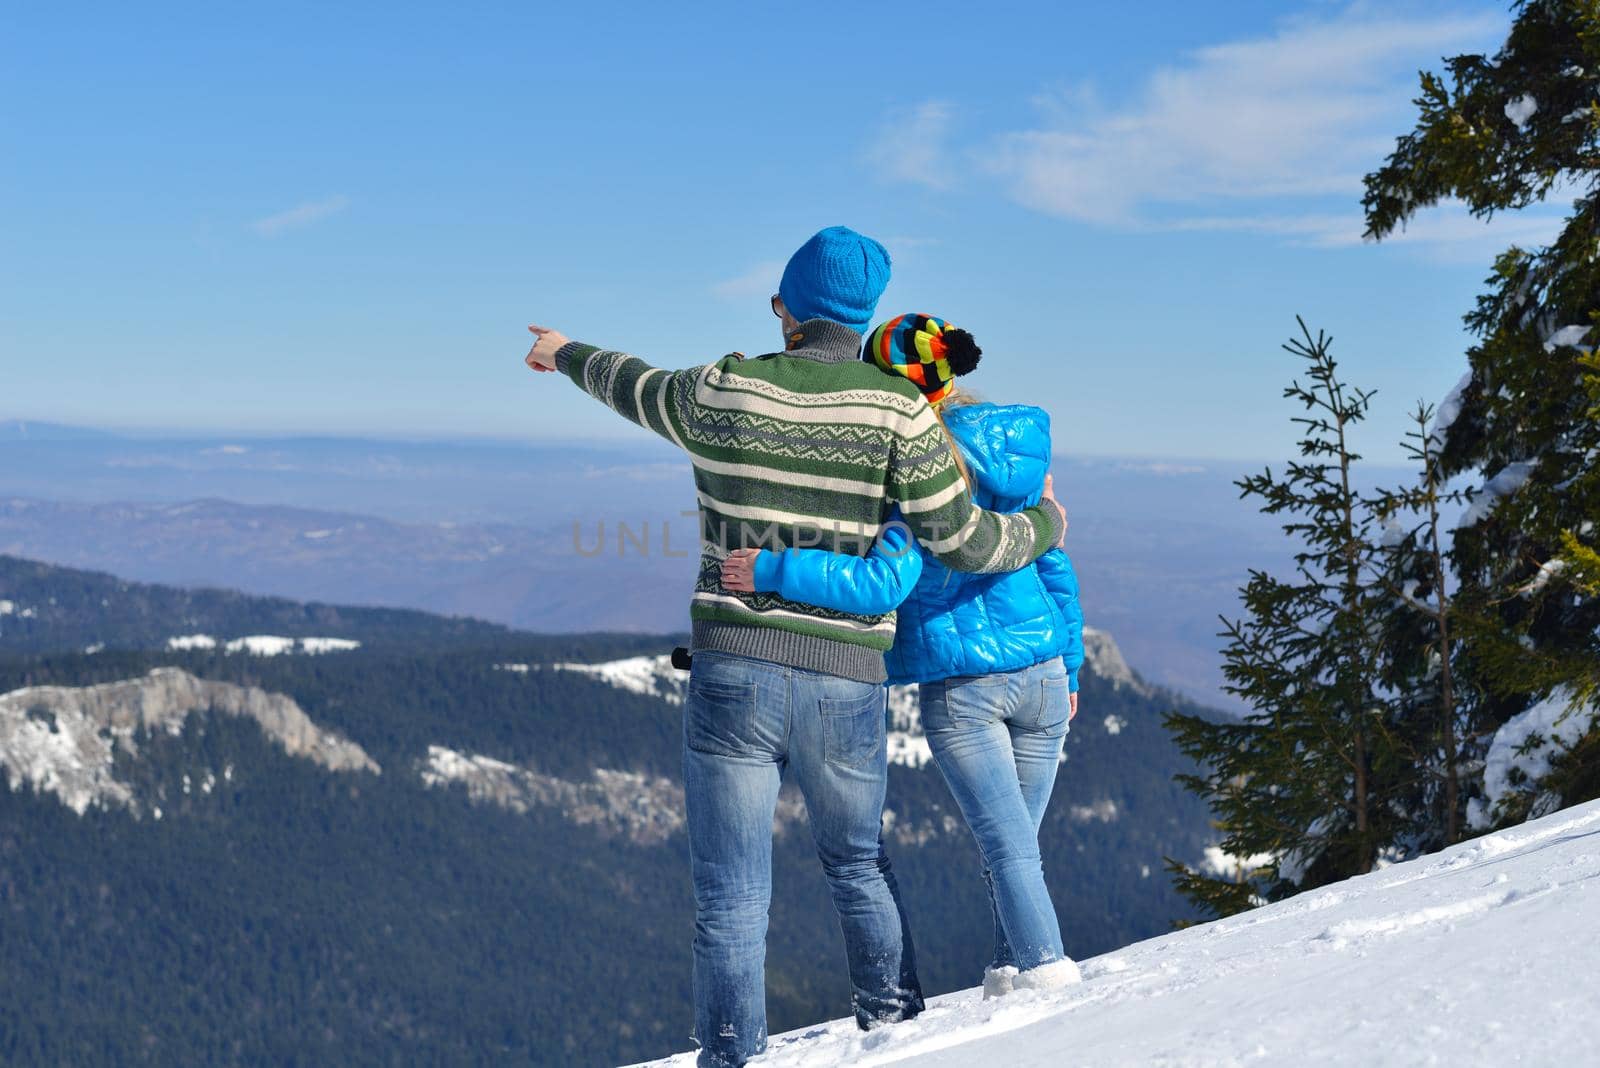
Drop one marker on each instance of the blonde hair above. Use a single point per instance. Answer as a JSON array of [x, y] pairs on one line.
[[956, 398]]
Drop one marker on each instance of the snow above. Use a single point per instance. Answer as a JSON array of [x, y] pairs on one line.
[[646, 809], [1223, 865], [185, 642], [1481, 954], [909, 750], [1102, 811], [261, 645], [1522, 109], [1449, 411], [1511, 478], [67, 741], [7, 607], [317, 646], [274, 645], [1394, 535], [652, 676], [1567, 335], [1547, 571], [1554, 720]]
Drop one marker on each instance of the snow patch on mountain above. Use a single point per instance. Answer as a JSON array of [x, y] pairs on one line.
[[1481, 954], [1103, 811], [183, 643], [646, 809], [908, 746], [64, 740], [263, 644], [273, 645], [1103, 656], [642, 808], [652, 676]]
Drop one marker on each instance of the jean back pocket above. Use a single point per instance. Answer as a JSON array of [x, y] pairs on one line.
[[720, 717], [853, 729]]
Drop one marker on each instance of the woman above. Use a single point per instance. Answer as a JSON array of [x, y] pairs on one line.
[[997, 656]]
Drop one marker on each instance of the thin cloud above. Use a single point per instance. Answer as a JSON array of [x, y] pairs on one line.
[[1268, 135], [1449, 223], [1301, 114], [300, 215], [759, 281], [914, 147]]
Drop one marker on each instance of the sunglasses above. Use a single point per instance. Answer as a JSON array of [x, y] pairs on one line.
[[777, 305]]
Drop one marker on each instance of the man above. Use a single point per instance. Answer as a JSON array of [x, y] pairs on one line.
[[802, 448]]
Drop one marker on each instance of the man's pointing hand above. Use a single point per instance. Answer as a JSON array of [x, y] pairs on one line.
[[546, 343]]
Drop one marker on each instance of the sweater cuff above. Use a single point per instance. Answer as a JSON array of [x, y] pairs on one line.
[[768, 572], [1055, 523], [1072, 681], [570, 357]]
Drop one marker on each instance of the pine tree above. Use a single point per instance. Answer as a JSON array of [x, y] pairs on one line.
[[1305, 784], [1422, 651], [1582, 560], [1505, 133]]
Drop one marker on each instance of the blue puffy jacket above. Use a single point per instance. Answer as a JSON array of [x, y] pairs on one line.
[[952, 623]]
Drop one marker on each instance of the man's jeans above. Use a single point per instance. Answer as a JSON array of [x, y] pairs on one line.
[[745, 721], [997, 740]]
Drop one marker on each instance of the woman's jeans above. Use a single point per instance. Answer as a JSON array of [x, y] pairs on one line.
[[997, 740], [745, 722]]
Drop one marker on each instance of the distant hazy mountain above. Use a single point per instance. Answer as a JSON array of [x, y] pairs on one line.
[[487, 529], [239, 830], [25, 430]]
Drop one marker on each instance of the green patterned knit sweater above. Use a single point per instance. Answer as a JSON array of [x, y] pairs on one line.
[[808, 448]]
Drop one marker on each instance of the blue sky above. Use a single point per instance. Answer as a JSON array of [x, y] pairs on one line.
[[339, 218]]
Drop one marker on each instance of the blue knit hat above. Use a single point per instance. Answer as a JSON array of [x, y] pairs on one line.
[[839, 275]]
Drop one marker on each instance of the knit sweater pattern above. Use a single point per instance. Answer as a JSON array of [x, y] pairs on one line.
[[807, 448]]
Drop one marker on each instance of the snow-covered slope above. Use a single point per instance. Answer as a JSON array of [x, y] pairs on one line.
[[1484, 954]]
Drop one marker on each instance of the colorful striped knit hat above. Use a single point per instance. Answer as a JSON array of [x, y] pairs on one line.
[[926, 350]]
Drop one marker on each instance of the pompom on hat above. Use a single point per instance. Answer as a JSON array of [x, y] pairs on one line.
[[928, 351]]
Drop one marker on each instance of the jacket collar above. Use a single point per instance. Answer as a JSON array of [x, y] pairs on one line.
[[825, 341]]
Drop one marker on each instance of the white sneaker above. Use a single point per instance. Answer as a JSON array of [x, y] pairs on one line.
[[1049, 976], [997, 982]]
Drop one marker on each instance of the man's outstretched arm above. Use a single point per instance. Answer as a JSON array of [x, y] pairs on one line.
[[938, 507], [650, 396]]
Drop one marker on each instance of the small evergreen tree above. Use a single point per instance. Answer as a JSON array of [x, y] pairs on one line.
[[1422, 650], [1305, 783], [1505, 133]]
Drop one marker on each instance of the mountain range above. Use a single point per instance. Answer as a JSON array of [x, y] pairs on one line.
[[559, 538], [240, 830]]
